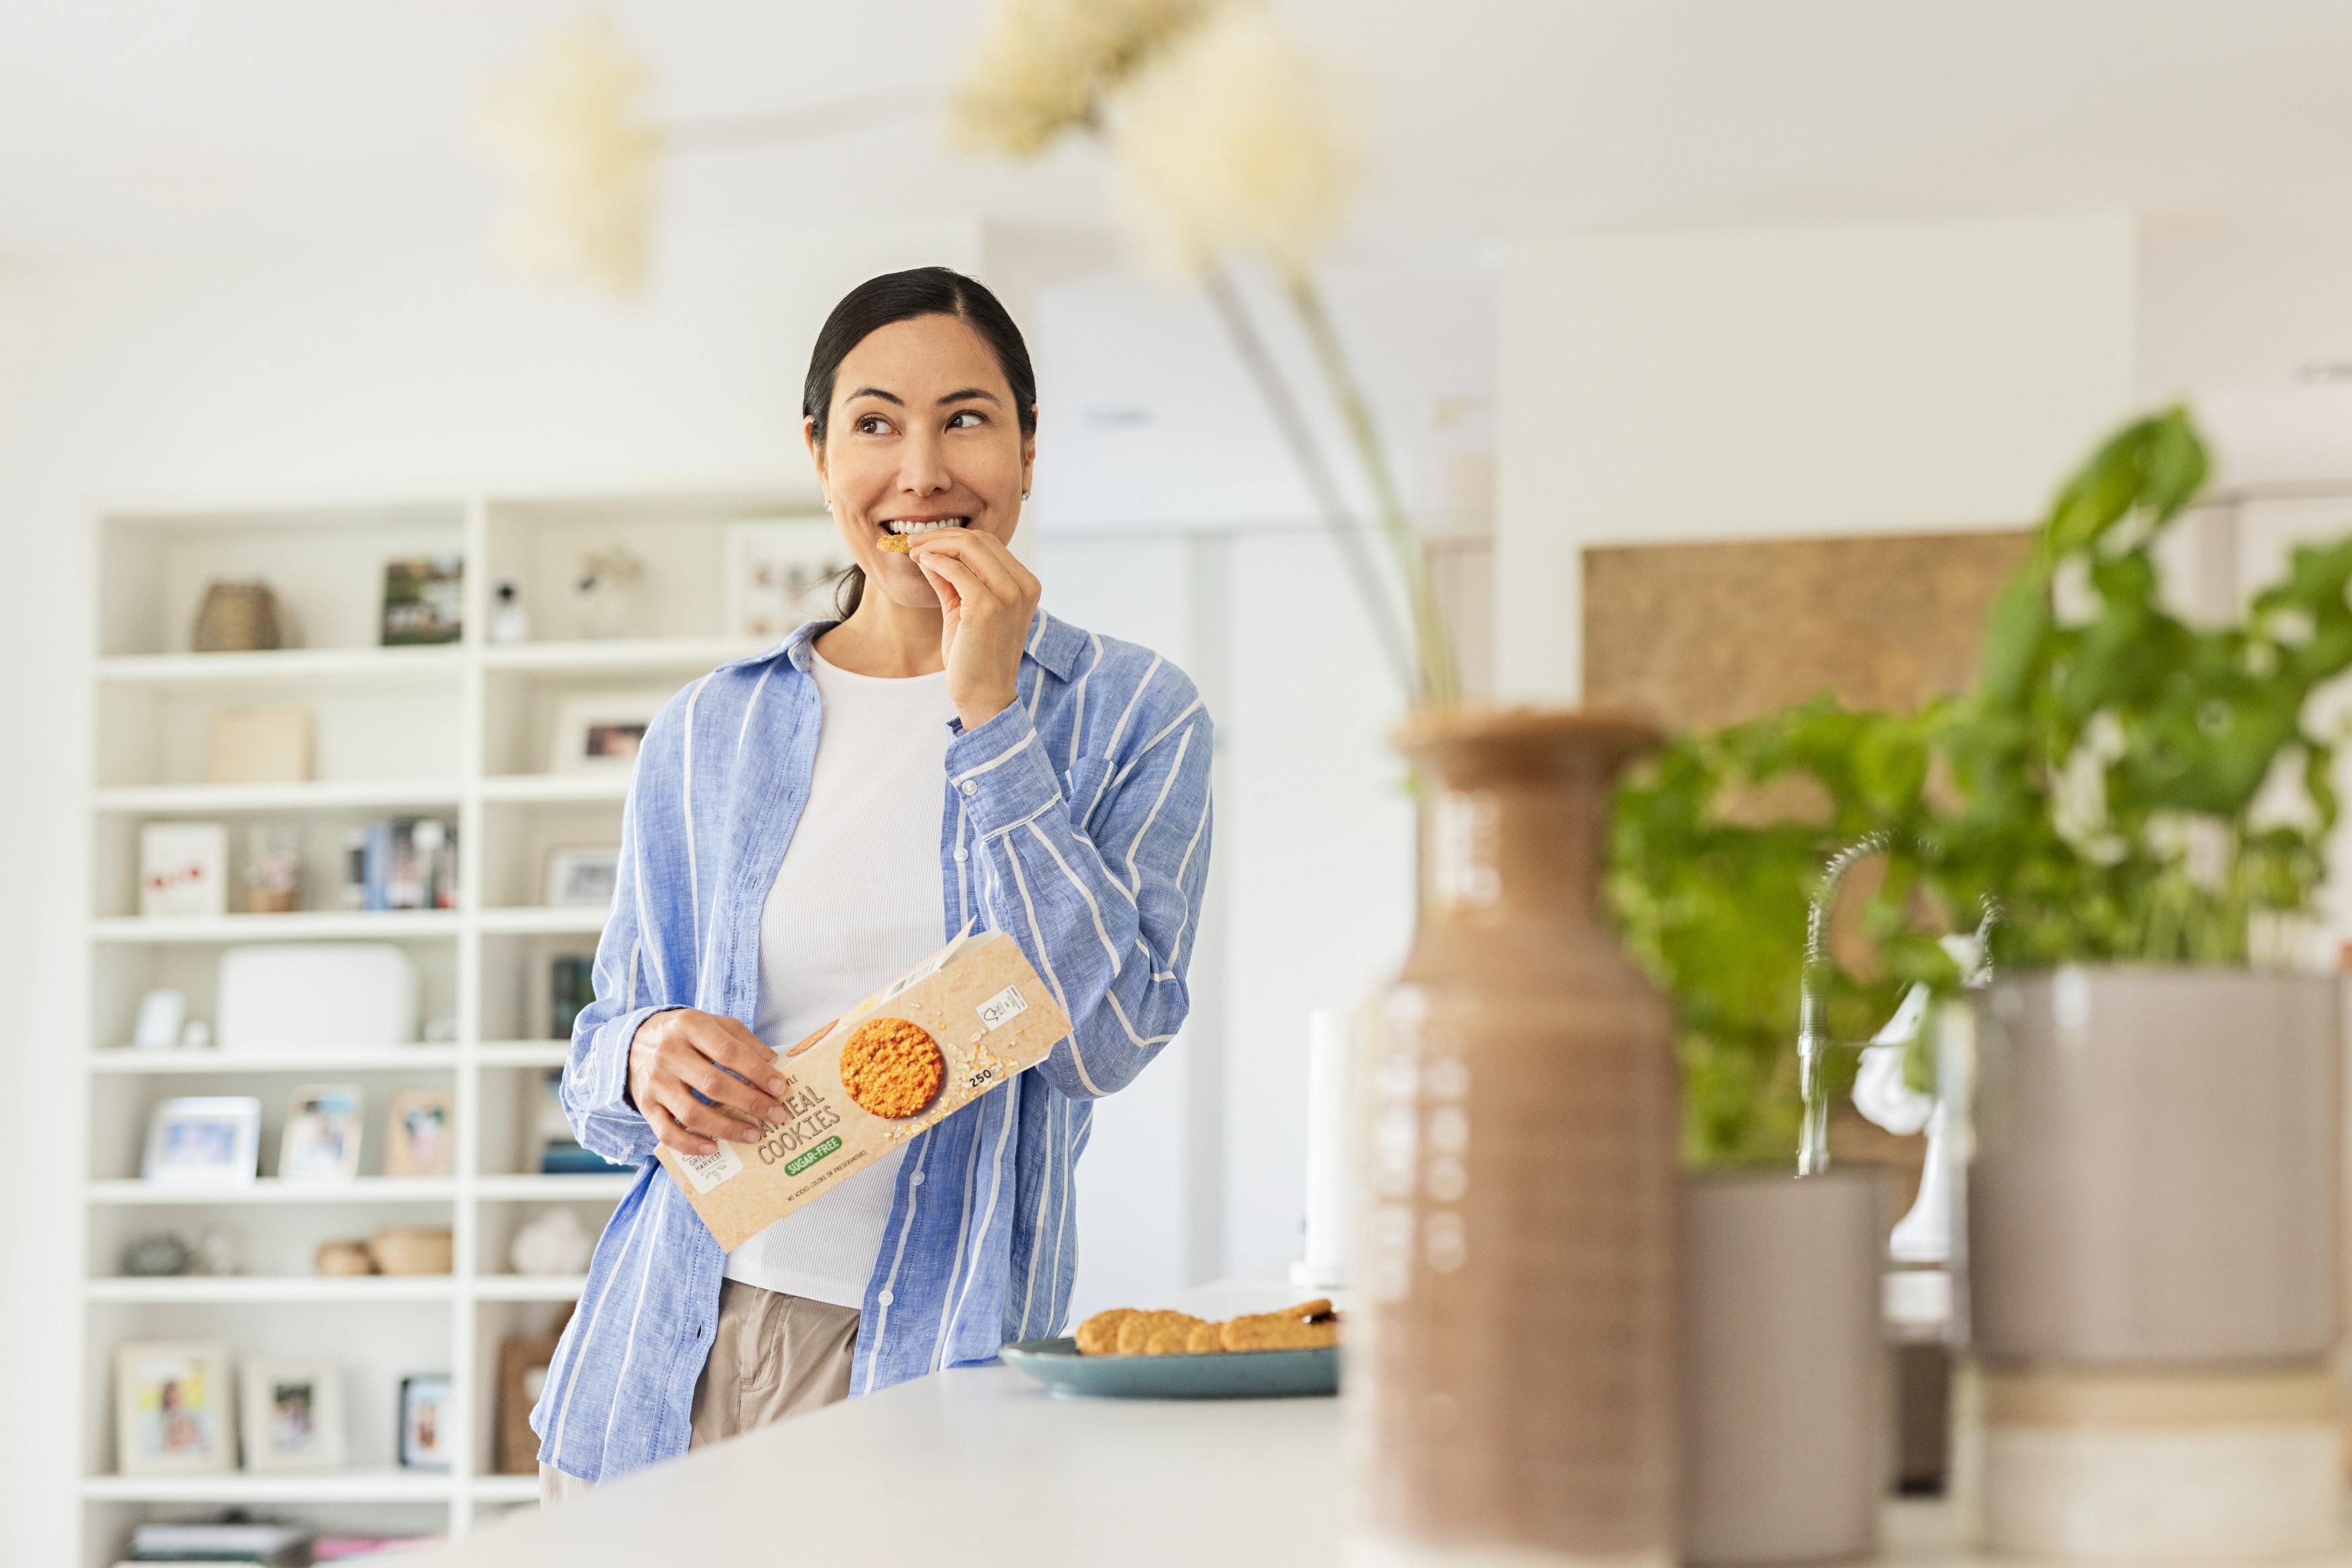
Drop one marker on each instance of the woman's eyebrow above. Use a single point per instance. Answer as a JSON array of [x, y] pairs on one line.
[[968, 394], [876, 392]]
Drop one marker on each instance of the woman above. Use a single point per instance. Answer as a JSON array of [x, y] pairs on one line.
[[812, 822]]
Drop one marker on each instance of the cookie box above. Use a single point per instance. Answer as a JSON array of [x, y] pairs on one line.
[[955, 1027]]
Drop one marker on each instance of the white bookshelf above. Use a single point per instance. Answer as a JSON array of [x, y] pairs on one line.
[[461, 731]]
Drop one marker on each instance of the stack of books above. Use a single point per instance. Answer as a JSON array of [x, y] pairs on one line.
[[231, 1540]]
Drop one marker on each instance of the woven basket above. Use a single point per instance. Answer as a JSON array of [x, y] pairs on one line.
[[237, 617], [344, 1258], [413, 1249]]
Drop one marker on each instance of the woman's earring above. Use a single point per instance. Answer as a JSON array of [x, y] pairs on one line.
[[1025, 494], [828, 503]]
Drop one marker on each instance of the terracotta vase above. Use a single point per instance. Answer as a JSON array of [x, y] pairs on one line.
[[1513, 1396], [2151, 1217]]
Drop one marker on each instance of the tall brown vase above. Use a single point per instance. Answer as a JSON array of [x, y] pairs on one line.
[[1514, 1393]]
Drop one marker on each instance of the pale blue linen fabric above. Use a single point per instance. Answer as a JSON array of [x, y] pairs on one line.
[[1077, 821]]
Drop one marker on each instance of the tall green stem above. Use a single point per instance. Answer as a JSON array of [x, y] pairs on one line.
[[1436, 684]]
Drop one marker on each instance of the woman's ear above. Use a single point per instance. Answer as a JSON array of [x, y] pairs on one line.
[[1029, 452], [816, 448]]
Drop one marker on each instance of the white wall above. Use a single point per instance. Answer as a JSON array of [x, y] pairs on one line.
[[1789, 381]]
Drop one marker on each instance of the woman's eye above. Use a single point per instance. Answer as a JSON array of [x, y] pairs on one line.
[[968, 419], [872, 424]]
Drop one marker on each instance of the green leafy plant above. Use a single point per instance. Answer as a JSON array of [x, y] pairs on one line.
[[2128, 786]]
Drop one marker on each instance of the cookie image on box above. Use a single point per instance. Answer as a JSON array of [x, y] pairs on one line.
[[891, 1067]]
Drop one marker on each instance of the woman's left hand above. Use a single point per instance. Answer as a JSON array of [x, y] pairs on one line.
[[986, 599]]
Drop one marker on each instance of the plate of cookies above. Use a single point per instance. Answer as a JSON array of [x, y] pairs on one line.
[[1128, 1353]]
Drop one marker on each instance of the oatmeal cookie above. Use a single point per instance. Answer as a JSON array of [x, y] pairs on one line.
[[1307, 1326], [891, 1067], [1136, 1333], [1098, 1335]]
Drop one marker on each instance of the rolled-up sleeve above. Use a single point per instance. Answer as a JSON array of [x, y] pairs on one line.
[[1101, 888]]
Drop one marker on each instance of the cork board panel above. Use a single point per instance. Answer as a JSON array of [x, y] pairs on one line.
[[1701, 636]]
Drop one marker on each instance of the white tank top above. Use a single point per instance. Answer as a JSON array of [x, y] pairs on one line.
[[856, 903]]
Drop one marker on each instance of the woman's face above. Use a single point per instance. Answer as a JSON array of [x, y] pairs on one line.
[[922, 432]]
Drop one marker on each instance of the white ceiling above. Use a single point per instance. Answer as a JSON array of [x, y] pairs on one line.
[[155, 123]]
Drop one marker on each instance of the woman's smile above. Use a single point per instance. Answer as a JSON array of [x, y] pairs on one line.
[[921, 525]]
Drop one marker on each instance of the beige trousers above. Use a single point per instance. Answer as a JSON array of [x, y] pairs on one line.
[[773, 1355]]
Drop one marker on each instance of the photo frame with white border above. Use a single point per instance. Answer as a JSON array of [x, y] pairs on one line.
[[324, 1124], [597, 732], [293, 1409], [427, 1403], [204, 1140], [175, 1408], [583, 876]]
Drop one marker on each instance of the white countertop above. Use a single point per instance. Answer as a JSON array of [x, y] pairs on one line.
[[981, 1466]]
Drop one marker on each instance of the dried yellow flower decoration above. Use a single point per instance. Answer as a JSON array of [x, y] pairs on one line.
[[1046, 66], [1236, 140], [570, 131]]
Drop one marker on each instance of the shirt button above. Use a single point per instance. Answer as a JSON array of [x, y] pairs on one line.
[[962, 853], [884, 1297], [915, 1180], [970, 787]]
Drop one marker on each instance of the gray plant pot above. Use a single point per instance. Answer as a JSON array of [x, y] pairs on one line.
[[1785, 1399], [2154, 1173]]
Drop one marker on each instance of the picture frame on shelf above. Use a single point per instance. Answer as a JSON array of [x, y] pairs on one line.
[[182, 870], [780, 572], [571, 987], [424, 600], [323, 1130], [420, 1134], [583, 876], [600, 732], [523, 1361], [175, 1408], [427, 1433], [204, 1140], [293, 1409]]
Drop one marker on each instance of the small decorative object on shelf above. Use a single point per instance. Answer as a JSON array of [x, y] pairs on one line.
[[161, 1013], [571, 986], [157, 1257], [554, 1244], [417, 1133], [240, 618], [425, 1432], [605, 593], [175, 1408], [510, 622], [523, 1361], [260, 746], [196, 1035], [301, 996], [341, 1259], [779, 574], [293, 1414], [321, 1143], [273, 869], [216, 1255], [204, 1140], [583, 876], [598, 732], [182, 870], [424, 600], [413, 1249]]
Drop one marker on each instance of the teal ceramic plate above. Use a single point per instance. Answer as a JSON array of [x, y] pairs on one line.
[[1238, 1375]]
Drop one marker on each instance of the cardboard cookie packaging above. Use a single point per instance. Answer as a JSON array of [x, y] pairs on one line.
[[979, 1001]]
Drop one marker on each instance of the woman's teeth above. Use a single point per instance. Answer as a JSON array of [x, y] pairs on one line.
[[916, 528]]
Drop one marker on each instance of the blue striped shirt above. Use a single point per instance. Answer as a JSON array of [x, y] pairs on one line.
[[1076, 822]]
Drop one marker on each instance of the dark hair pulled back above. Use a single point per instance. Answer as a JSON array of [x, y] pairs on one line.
[[895, 296]]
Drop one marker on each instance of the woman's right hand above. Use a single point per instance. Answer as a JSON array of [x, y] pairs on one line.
[[680, 1051]]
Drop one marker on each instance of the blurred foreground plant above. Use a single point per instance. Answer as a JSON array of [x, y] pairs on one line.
[[2132, 788]]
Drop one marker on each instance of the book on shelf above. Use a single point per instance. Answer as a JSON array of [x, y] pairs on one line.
[[227, 1540], [401, 862]]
